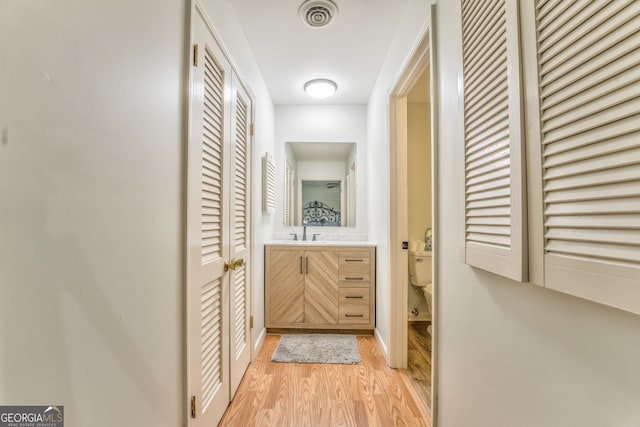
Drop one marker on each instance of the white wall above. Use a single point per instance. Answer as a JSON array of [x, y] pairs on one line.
[[323, 123], [321, 171], [411, 27], [512, 354], [418, 170], [92, 127], [91, 299]]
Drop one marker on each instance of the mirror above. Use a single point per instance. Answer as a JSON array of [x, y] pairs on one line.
[[320, 184]]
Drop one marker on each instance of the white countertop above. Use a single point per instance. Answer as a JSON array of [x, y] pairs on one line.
[[292, 242]]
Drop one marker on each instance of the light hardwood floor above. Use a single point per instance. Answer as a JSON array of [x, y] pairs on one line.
[[316, 395], [419, 360]]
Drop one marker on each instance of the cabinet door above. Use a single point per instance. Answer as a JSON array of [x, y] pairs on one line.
[[286, 286], [321, 287]]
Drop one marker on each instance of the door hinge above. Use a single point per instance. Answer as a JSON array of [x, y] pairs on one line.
[[251, 129], [193, 406], [251, 322], [195, 55]]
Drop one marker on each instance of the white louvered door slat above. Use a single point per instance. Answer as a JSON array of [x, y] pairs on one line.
[[212, 141], [211, 334], [495, 237], [588, 71], [288, 192], [239, 323], [269, 186]]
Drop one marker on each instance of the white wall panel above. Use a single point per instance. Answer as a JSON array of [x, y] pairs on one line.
[[90, 209], [514, 354], [323, 123]]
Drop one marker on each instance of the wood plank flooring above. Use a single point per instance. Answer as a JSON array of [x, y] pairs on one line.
[[317, 395], [419, 360]]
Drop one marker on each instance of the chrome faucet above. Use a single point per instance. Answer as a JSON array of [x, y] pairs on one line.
[[304, 232]]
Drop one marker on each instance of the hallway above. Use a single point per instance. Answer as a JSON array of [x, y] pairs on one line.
[[95, 126], [292, 394]]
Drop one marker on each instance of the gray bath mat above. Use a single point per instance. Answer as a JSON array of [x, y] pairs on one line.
[[318, 348]]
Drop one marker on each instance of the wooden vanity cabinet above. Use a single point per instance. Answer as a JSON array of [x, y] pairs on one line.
[[320, 287]]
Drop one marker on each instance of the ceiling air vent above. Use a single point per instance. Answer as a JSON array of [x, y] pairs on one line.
[[318, 13]]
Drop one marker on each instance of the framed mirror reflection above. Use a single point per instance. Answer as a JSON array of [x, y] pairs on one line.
[[320, 184]]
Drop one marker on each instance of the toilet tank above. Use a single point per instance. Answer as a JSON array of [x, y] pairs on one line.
[[420, 268]]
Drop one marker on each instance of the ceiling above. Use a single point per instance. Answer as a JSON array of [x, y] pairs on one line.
[[349, 51]]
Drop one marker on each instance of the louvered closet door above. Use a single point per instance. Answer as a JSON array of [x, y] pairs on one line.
[[207, 232], [240, 210], [495, 233], [589, 75]]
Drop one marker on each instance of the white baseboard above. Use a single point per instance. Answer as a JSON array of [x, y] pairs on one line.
[[383, 345]]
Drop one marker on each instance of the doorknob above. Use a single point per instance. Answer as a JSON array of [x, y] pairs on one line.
[[231, 265]]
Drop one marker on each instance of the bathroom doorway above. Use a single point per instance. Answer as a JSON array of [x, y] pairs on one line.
[[420, 235], [413, 121]]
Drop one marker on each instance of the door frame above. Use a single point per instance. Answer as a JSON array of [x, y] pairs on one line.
[[422, 56]]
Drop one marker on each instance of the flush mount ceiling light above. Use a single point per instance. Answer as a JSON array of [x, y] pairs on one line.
[[320, 88], [318, 13]]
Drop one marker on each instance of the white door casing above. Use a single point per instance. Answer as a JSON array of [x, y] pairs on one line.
[[423, 56]]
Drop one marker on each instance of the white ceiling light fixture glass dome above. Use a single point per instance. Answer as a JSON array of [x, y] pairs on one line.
[[320, 88]]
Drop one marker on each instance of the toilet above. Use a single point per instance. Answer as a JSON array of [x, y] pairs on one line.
[[420, 274]]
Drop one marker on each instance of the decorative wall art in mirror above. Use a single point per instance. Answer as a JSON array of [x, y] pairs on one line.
[[320, 184]]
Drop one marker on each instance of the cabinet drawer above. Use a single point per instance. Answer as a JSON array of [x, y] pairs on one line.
[[354, 305], [354, 268], [351, 281], [354, 258]]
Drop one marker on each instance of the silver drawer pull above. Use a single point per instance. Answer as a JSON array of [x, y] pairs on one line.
[[354, 260], [354, 296], [354, 278], [354, 315]]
